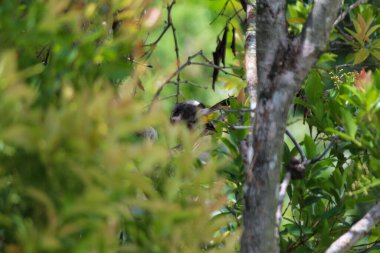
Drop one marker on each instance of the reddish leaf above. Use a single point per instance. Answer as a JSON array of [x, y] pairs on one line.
[[363, 79]]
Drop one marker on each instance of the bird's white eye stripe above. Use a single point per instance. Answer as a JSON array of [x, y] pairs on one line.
[[193, 102]]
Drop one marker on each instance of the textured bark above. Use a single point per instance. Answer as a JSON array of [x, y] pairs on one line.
[[356, 232], [282, 65]]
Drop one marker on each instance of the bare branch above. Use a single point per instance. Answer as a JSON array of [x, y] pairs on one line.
[[356, 232], [176, 49], [281, 196], [222, 69], [321, 155], [169, 23], [185, 65], [240, 110], [190, 83], [350, 8], [251, 71], [297, 145], [240, 127]]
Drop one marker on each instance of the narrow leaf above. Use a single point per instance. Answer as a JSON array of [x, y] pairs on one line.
[[223, 45], [376, 54], [233, 42], [215, 73], [372, 30], [244, 4]]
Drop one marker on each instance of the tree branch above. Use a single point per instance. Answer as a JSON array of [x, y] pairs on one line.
[[315, 35], [251, 72], [282, 65], [356, 232], [321, 155], [281, 196], [350, 8], [297, 145]]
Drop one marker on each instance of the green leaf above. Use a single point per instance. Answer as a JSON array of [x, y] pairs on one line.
[[361, 55], [300, 102], [349, 123], [322, 172], [296, 20], [313, 88], [356, 36], [375, 44], [375, 53], [311, 148], [231, 147], [327, 57], [343, 135], [372, 30]]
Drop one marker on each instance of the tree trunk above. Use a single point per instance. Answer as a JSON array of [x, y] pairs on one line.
[[282, 65]]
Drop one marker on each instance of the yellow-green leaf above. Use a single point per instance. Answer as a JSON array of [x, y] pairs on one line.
[[376, 54], [361, 55], [372, 30], [296, 20]]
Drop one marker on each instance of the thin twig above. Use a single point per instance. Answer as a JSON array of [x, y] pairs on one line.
[[240, 127], [167, 97], [221, 12], [350, 8], [358, 66], [371, 246], [222, 69], [190, 83], [297, 145], [169, 23], [238, 110], [186, 64], [321, 155], [237, 11], [176, 49], [183, 66]]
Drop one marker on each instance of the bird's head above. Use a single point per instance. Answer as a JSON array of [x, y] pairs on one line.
[[188, 112]]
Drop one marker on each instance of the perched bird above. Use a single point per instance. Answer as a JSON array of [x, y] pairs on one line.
[[191, 112], [188, 112]]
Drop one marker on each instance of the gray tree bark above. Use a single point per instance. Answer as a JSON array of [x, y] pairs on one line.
[[356, 232], [282, 65]]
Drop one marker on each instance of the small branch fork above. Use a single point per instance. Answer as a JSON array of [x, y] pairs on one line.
[[170, 25], [350, 8], [180, 67], [223, 10], [190, 61], [296, 170]]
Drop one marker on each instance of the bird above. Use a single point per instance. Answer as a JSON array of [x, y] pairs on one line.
[[192, 112]]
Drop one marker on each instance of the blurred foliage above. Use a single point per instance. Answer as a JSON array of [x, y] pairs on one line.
[[78, 174]]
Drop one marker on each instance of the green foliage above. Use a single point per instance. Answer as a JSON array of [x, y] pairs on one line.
[[73, 176], [297, 16], [340, 187], [77, 174]]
